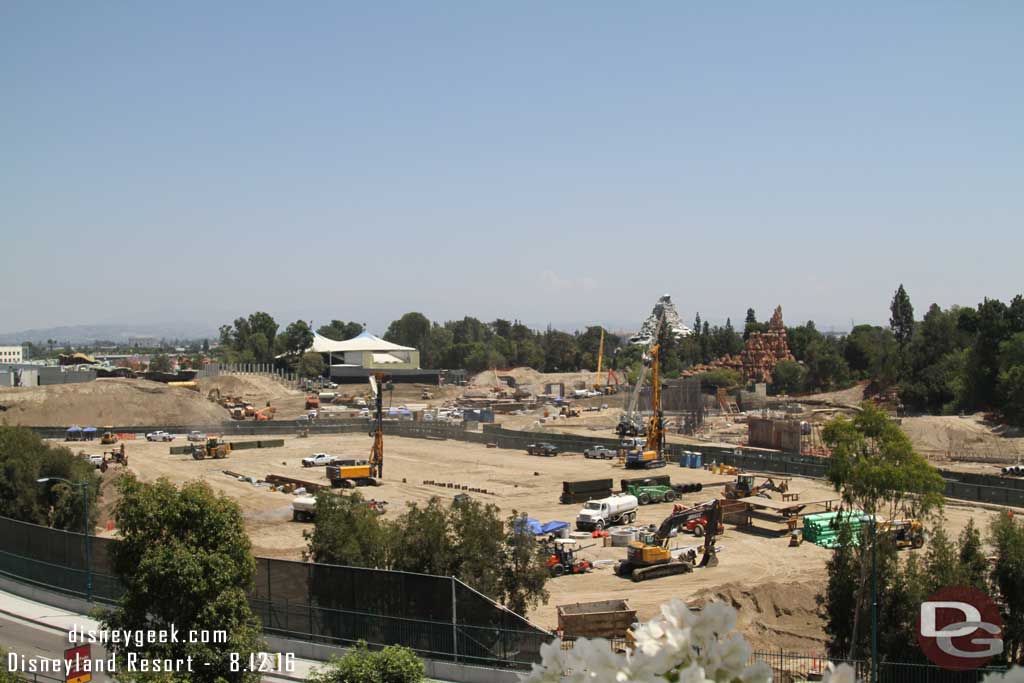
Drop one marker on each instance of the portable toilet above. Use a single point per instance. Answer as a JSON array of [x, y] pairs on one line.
[[697, 462]]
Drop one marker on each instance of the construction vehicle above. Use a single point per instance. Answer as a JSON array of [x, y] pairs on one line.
[[377, 386], [304, 508], [265, 414], [650, 557], [312, 402], [744, 487], [109, 437], [600, 514], [250, 410], [651, 493], [569, 411], [653, 453], [350, 476], [906, 533], [562, 558], [697, 525], [213, 448], [237, 413]]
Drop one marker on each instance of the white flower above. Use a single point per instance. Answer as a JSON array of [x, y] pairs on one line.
[[693, 674], [843, 673], [1014, 675], [758, 672]]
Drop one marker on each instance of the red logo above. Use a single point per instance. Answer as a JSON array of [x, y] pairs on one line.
[[959, 628], [78, 665]]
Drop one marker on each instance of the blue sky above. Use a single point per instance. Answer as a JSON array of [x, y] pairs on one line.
[[553, 162]]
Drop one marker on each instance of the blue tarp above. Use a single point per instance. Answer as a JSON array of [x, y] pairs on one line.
[[529, 524], [551, 527], [89, 429], [74, 428]]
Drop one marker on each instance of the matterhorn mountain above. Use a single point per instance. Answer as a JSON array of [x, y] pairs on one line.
[[649, 328]]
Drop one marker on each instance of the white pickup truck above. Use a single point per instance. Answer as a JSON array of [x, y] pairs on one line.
[[600, 452], [606, 512], [318, 459]]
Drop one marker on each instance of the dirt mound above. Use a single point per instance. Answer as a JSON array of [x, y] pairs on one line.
[[938, 436], [774, 615], [120, 402], [534, 381], [251, 387]]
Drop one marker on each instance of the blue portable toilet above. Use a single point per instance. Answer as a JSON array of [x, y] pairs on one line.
[[698, 461]]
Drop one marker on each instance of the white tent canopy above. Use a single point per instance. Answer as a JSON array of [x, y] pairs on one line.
[[363, 342]]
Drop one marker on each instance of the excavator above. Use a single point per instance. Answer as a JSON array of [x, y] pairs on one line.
[[650, 558], [653, 453]]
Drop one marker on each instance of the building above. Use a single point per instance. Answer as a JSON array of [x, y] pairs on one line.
[[10, 354], [353, 360]]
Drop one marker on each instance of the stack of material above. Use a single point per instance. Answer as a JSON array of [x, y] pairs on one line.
[[823, 529], [582, 491]]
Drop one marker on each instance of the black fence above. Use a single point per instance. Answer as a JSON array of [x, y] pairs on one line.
[[439, 617]]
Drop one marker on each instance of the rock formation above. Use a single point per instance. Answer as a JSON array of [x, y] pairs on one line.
[[672, 320]]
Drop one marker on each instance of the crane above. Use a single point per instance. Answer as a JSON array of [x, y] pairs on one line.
[[653, 453], [629, 424], [650, 557], [377, 450], [600, 358]]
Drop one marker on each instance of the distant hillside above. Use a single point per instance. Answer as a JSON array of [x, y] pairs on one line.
[[85, 334]]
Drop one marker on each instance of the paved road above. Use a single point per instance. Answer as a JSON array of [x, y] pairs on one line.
[[31, 640]]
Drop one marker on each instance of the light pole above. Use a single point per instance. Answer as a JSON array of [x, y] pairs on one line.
[[85, 524], [874, 599]]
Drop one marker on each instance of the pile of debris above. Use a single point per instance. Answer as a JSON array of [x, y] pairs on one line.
[[650, 327]]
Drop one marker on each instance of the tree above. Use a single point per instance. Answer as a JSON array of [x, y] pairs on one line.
[[524, 572], [295, 339], [1008, 581], [348, 532], [7, 676], [310, 364], [788, 377], [186, 561], [160, 363], [826, 367], [901, 320], [560, 351], [750, 324], [339, 330], [1010, 380], [875, 469], [249, 340], [412, 329], [25, 458], [801, 337], [971, 558]]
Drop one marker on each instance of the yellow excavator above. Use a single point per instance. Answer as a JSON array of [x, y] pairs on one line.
[[653, 453], [650, 558]]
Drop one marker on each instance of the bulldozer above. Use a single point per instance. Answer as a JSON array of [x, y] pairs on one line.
[[265, 414], [650, 558], [744, 487], [109, 438], [213, 448]]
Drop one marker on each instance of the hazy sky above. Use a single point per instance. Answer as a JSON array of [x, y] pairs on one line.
[[555, 162]]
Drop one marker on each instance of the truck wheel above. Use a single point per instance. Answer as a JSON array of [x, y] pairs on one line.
[[558, 570], [630, 518], [643, 498], [670, 496], [599, 525], [698, 530]]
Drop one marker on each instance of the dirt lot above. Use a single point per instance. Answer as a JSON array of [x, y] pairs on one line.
[[772, 584]]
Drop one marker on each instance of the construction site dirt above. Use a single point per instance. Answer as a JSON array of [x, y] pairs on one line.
[[773, 584]]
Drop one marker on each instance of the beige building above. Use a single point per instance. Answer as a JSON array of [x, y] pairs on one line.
[[10, 354]]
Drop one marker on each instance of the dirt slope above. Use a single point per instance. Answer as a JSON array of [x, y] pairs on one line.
[[121, 402], [774, 615]]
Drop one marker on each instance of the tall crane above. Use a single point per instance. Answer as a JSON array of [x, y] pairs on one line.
[[629, 424], [600, 357], [653, 453], [377, 450]]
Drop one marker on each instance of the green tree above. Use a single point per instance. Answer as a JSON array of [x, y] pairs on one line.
[[339, 330], [295, 339], [24, 459], [160, 363], [412, 329], [186, 561], [875, 469], [524, 572], [348, 532], [901, 320], [720, 377], [1010, 380], [7, 676], [971, 558], [561, 353], [788, 377], [1007, 538], [801, 337], [310, 364], [826, 367]]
